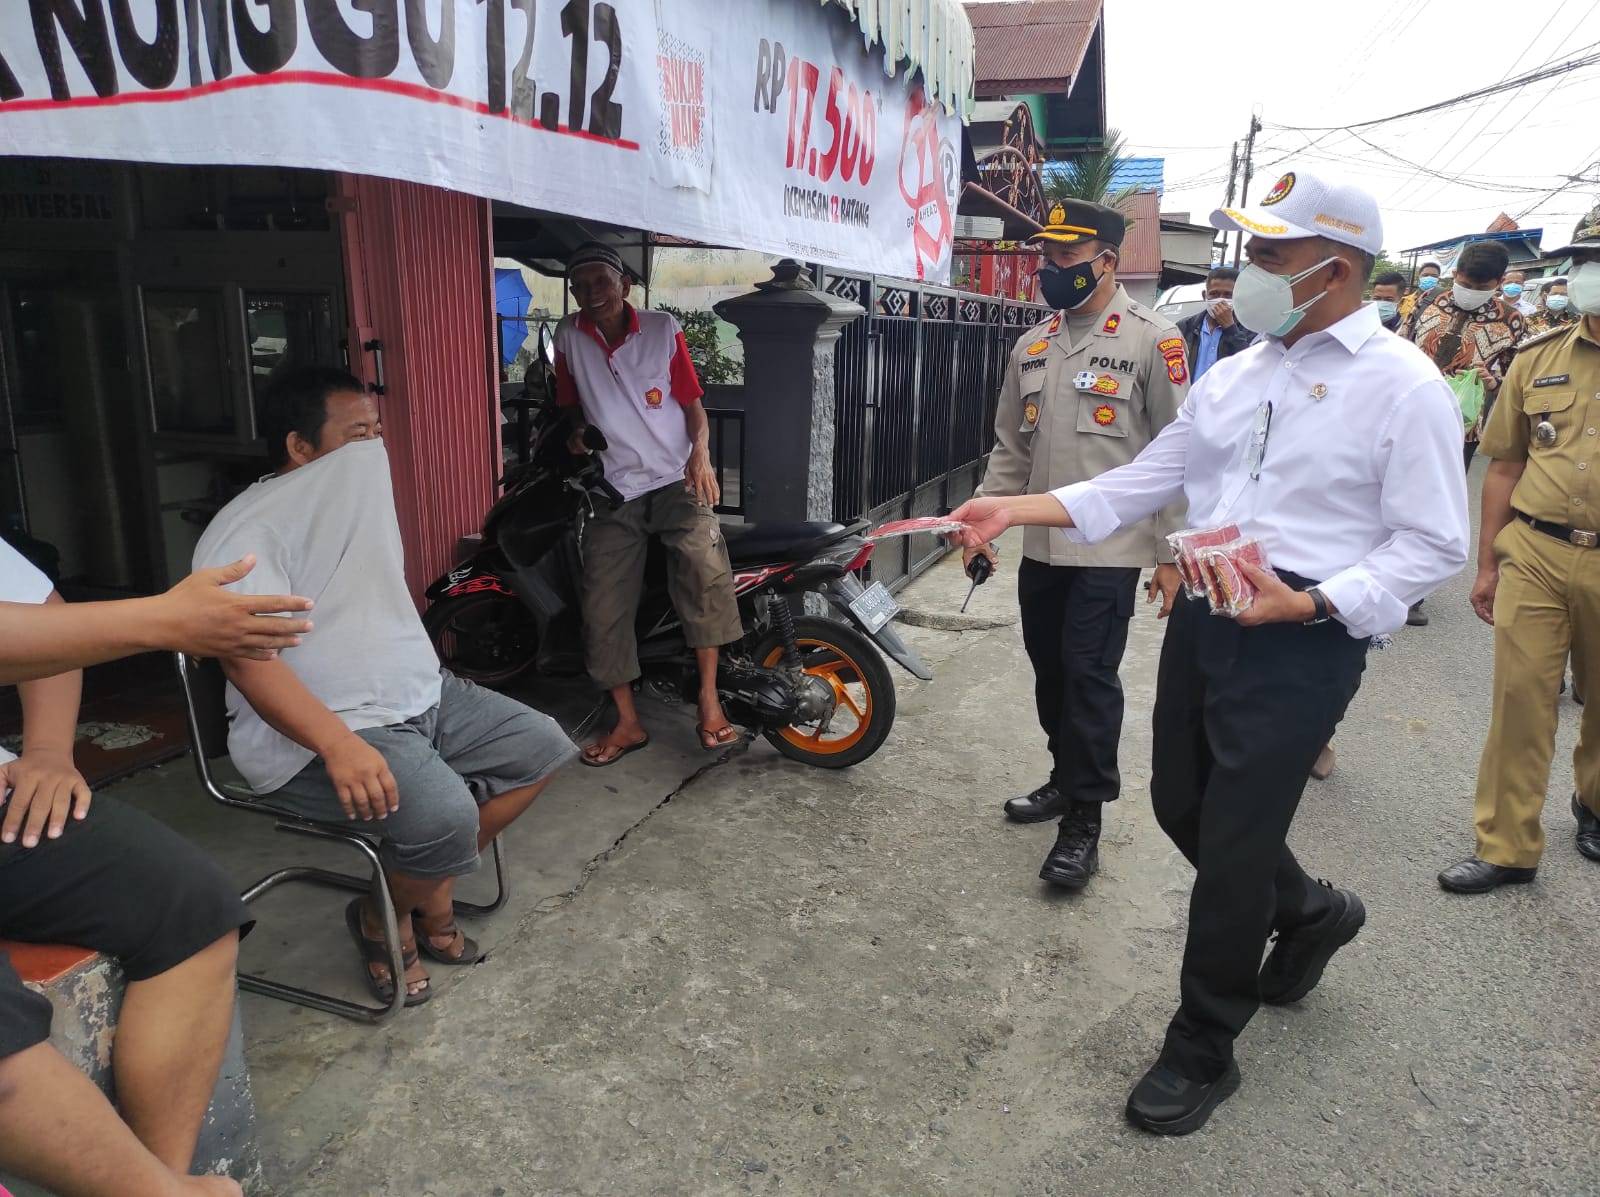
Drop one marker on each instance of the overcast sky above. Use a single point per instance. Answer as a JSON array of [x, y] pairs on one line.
[[1183, 76]]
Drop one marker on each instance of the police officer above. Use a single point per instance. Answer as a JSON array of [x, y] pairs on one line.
[[1084, 391], [1539, 585]]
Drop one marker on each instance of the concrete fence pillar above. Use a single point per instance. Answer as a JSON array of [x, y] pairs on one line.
[[789, 330]]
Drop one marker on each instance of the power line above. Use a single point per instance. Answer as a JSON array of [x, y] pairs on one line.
[[1546, 71]]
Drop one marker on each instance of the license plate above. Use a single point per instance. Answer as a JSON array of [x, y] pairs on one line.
[[874, 607]]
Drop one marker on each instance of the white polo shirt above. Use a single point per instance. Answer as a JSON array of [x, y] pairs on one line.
[[634, 392], [20, 582]]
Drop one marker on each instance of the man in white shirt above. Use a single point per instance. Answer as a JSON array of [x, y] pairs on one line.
[[85, 870], [360, 722], [627, 372], [1335, 444]]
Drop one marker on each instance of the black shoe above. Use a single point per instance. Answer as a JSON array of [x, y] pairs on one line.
[[1165, 1103], [1076, 855], [1415, 618], [1588, 829], [1474, 876], [1046, 802], [1300, 955]]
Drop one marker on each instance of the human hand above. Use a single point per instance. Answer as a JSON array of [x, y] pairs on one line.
[[1222, 313], [1483, 589], [575, 445], [701, 479], [1168, 583], [361, 778], [1276, 601], [44, 789], [986, 520], [204, 620]]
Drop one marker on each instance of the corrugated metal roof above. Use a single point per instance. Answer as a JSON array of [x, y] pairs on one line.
[[934, 36], [1141, 247], [1030, 40]]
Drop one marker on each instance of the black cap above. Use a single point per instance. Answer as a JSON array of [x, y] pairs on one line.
[[1079, 220], [596, 251]]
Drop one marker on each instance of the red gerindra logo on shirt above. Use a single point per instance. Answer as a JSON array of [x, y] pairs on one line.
[[653, 397]]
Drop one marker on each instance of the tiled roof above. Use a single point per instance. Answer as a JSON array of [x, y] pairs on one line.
[[1030, 41], [1142, 174]]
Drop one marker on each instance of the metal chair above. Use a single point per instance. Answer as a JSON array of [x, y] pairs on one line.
[[204, 693]]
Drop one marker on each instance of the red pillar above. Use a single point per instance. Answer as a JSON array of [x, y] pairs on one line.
[[419, 264]]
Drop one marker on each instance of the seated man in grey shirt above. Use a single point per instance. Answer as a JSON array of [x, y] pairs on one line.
[[359, 722]]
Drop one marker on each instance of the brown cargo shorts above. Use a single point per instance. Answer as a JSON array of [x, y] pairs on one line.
[[699, 579]]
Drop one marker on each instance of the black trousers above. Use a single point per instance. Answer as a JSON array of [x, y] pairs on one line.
[[1075, 627], [1240, 716]]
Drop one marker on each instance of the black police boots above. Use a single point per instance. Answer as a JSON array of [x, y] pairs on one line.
[[1042, 804], [1076, 855]]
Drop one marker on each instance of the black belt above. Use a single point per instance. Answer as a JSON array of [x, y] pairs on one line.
[[1578, 536]]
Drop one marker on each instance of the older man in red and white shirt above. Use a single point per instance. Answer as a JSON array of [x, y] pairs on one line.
[[628, 373]]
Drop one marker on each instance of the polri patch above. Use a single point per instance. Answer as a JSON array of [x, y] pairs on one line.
[[1552, 380]]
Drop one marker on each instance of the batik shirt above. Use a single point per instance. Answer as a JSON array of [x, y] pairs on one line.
[[1456, 340]]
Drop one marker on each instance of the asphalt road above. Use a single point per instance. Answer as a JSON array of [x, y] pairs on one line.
[[791, 981]]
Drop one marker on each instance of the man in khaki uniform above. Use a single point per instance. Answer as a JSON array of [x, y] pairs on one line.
[[1084, 392], [1539, 585]]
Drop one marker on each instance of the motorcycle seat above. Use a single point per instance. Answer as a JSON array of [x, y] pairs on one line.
[[780, 542]]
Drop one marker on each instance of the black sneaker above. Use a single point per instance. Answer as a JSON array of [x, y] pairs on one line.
[[1300, 954], [1076, 855], [1165, 1103]]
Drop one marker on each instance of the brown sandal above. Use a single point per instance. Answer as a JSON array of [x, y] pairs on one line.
[[376, 951], [725, 736], [470, 952]]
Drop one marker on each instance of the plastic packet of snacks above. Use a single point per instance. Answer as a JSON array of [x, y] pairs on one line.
[[1229, 588], [938, 525], [1187, 543]]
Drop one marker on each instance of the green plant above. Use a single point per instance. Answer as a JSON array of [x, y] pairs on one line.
[[1088, 176], [705, 347]]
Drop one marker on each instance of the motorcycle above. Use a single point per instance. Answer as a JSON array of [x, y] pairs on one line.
[[814, 686]]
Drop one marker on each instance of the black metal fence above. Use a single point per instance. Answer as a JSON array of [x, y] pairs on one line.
[[725, 413], [917, 379]]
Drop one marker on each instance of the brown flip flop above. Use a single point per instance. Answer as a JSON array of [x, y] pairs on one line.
[[628, 751]]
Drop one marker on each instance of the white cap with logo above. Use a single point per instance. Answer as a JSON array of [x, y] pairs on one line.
[[1304, 204]]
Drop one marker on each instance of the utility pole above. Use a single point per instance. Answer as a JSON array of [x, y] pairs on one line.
[[1233, 179], [1244, 187]]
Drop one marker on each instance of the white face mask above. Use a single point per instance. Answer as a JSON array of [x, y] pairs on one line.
[[1264, 302], [1583, 288], [1467, 299], [1556, 303], [1387, 309]]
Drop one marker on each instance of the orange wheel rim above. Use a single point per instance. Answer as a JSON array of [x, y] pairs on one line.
[[829, 668]]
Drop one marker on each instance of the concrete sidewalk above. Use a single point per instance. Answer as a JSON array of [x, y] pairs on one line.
[[791, 980]]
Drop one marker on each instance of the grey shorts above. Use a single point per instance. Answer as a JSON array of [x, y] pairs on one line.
[[474, 746]]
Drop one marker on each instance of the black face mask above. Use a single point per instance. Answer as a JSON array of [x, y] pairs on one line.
[[1067, 287]]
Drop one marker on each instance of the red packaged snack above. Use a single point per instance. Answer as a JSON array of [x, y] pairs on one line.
[[1185, 546], [1229, 588], [939, 525]]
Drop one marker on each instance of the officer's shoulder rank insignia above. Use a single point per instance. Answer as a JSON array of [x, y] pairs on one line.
[[1105, 415], [1055, 325], [1172, 352], [1551, 334], [1113, 322]]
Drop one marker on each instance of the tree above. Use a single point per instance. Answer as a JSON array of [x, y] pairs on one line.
[[705, 347], [1384, 264], [1089, 176]]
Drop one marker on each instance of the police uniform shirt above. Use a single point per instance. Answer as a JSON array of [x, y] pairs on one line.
[[1341, 454], [1077, 404], [1548, 416]]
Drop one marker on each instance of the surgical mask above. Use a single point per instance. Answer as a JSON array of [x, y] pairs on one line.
[[1427, 283], [1467, 299], [1511, 290], [1067, 287], [1264, 302], [1387, 309], [1583, 288], [1556, 303]]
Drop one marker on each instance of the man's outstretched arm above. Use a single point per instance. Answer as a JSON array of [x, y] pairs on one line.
[[197, 616]]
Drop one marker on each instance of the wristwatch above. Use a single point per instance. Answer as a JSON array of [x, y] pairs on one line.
[[1323, 611]]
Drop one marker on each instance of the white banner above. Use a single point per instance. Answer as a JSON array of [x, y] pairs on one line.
[[762, 124]]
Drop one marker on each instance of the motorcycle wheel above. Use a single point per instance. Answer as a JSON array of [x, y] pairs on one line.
[[485, 638], [863, 689]]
